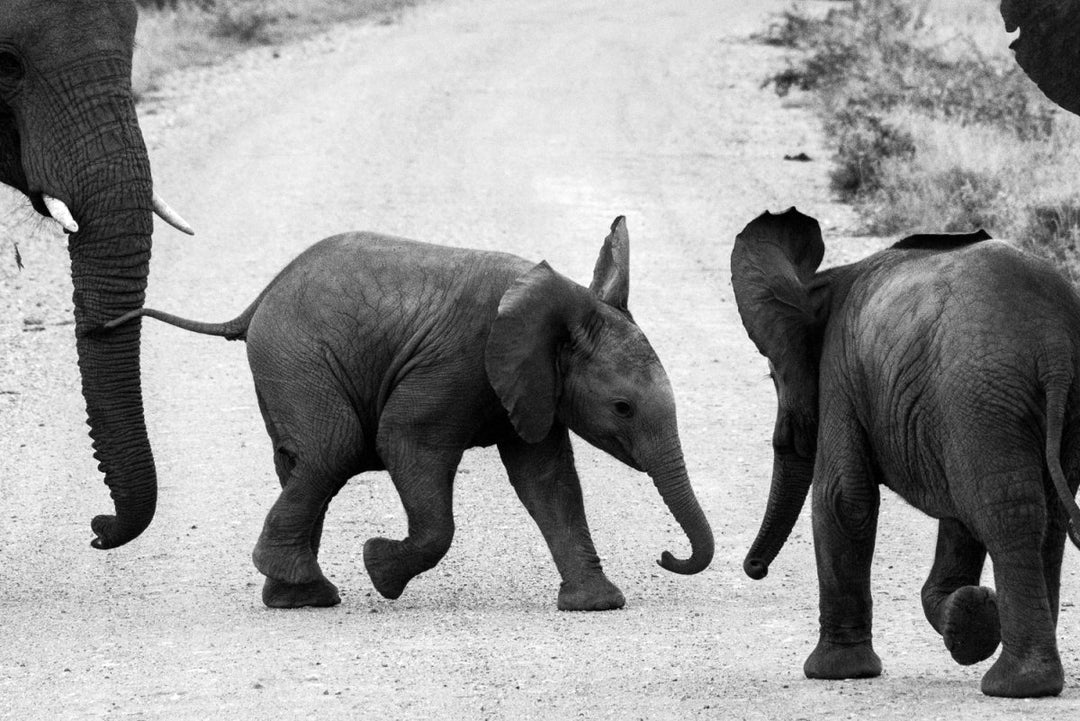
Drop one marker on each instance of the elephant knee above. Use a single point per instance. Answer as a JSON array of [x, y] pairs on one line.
[[855, 509], [284, 463]]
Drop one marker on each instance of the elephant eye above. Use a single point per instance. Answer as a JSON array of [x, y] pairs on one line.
[[623, 409], [11, 68]]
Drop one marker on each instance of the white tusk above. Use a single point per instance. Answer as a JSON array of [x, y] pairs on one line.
[[60, 213], [170, 216]]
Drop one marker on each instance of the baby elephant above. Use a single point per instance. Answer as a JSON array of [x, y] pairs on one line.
[[948, 369], [376, 353]]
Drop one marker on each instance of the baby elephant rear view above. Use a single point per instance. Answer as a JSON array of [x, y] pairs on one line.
[[370, 352]]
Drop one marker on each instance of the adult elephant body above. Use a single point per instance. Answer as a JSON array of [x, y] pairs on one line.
[[371, 352], [70, 141], [945, 368]]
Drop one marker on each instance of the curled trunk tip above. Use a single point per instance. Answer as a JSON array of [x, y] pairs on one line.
[[699, 560], [674, 485], [110, 531], [792, 476]]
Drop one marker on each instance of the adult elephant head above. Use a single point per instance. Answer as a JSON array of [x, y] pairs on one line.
[[70, 141], [1047, 47]]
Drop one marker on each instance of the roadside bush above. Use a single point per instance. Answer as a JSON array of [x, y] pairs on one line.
[[953, 200], [864, 143], [935, 127], [1053, 232], [174, 4], [876, 59], [790, 29], [247, 22], [175, 34]]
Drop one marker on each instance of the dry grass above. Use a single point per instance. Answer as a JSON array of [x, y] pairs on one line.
[[936, 128], [191, 35]]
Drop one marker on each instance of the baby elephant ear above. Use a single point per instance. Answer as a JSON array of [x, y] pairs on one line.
[[611, 276], [772, 264], [533, 321]]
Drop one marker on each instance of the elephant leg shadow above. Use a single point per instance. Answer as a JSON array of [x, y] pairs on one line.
[[962, 611]]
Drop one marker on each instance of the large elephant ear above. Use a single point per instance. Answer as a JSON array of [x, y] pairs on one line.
[[611, 276], [774, 259], [1048, 47], [534, 320]]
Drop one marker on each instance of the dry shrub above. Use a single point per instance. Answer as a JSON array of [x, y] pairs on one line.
[[181, 33], [935, 126], [864, 143], [247, 21]]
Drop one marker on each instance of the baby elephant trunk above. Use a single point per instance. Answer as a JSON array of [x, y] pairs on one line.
[[791, 479], [673, 483]]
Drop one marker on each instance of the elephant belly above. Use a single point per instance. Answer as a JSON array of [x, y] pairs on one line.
[[932, 498]]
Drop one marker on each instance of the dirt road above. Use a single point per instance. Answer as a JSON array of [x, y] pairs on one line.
[[517, 125]]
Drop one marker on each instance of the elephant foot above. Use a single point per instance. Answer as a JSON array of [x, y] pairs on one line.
[[831, 660], [594, 594], [970, 626], [384, 563], [286, 564], [279, 594], [1014, 677]]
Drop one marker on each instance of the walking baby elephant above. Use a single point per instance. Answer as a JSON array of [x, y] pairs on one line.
[[371, 352], [945, 368]]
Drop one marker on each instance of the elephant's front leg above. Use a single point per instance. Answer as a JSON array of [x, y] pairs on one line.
[[423, 475], [962, 611], [546, 481], [845, 509]]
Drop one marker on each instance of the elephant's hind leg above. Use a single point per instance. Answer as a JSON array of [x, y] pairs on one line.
[[962, 611], [424, 476], [1014, 527], [278, 593], [311, 471]]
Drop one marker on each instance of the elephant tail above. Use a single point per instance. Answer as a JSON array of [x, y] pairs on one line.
[[1056, 393], [235, 329]]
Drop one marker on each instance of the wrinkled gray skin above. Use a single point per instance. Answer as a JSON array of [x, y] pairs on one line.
[[944, 368], [371, 353], [68, 129]]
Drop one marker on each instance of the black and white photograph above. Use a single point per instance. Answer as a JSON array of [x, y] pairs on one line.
[[539, 360]]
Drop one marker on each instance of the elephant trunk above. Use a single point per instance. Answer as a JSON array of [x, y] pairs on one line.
[[110, 259], [673, 483], [792, 474], [111, 199]]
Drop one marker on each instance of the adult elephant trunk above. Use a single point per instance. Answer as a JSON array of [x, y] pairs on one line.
[[109, 268], [111, 200], [671, 479], [791, 479]]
